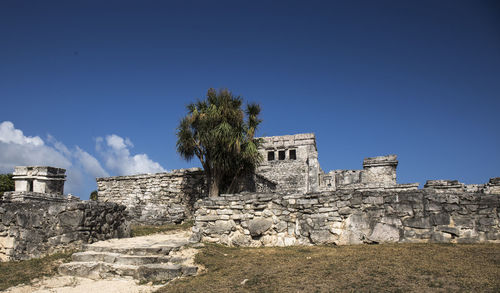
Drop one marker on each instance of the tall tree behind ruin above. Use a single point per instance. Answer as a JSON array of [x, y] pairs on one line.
[[221, 135], [6, 183]]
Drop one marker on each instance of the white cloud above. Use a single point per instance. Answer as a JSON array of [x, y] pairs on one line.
[[16, 149], [8, 134], [117, 157], [90, 163]]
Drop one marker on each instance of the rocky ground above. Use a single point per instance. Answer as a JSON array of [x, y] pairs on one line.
[[122, 265], [62, 284]]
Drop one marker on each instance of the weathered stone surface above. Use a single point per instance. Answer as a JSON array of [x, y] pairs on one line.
[[322, 237], [36, 228], [155, 198], [239, 239], [221, 227], [384, 233], [259, 226], [403, 216], [356, 229]]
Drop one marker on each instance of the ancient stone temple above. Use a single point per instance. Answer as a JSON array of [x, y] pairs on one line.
[[291, 161], [38, 182], [39, 179]]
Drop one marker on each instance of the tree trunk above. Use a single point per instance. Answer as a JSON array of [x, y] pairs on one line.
[[232, 186], [213, 190]]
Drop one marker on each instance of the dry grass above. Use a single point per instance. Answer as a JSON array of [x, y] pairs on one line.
[[143, 230], [13, 273], [358, 268]]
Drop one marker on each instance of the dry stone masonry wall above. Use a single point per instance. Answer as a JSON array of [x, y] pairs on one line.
[[350, 217], [38, 227], [155, 198]]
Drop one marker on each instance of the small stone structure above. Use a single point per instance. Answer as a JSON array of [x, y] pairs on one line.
[[379, 173], [37, 219], [41, 181]]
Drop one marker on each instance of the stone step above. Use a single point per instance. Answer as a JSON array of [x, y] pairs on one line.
[[89, 270], [123, 259], [163, 250], [147, 258], [147, 272]]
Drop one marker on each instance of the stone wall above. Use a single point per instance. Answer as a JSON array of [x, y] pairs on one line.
[[155, 198], [349, 217], [39, 227]]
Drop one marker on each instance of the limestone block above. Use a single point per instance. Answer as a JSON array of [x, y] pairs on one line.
[[355, 230], [239, 239], [258, 226], [7, 242], [270, 240], [221, 227], [281, 226], [384, 233], [345, 211], [440, 219], [418, 222], [376, 200], [322, 237]]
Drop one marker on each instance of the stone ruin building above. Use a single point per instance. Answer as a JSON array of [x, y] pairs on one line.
[[289, 200], [290, 166], [291, 161], [37, 218], [40, 182], [46, 180]]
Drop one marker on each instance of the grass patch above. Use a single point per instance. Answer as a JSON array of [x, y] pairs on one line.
[[143, 230], [13, 273], [356, 268]]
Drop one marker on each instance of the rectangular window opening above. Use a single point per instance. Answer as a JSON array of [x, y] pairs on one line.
[[281, 155], [270, 156], [292, 154]]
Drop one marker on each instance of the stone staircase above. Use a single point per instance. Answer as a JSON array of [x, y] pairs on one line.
[[159, 257]]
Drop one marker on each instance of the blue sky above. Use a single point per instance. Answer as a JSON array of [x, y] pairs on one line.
[[98, 87]]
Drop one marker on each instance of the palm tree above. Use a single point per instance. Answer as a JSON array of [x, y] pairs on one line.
[[216, 132]]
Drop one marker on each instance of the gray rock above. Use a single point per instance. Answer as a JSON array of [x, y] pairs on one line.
[[418, 222], [384, 233], [322, 237], [258, 226]]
